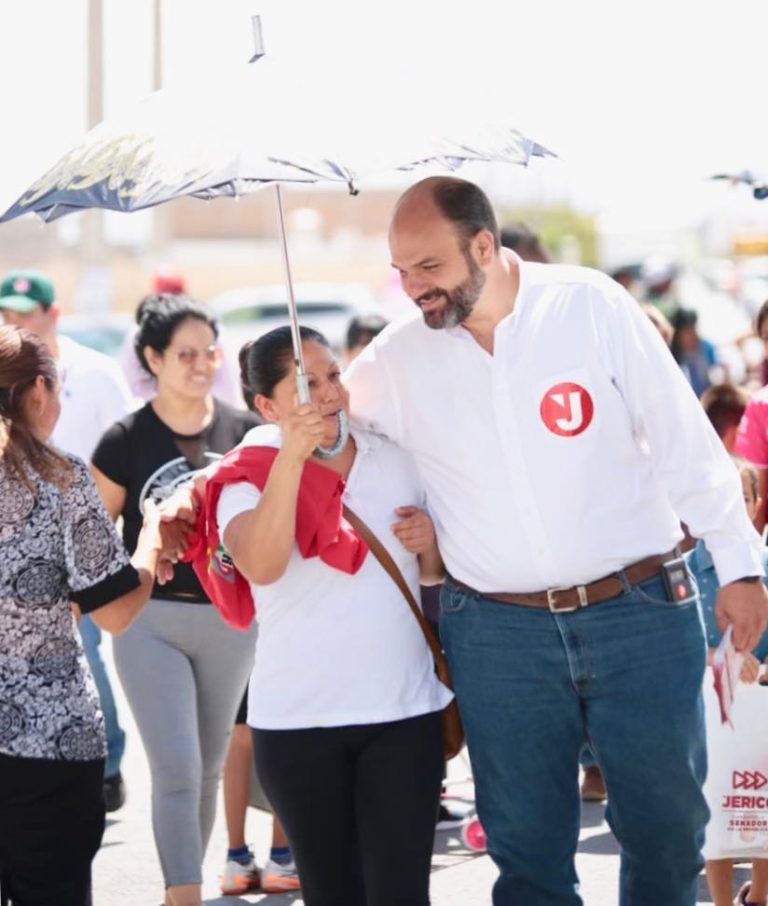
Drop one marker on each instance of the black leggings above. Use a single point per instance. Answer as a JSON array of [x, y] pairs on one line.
[[358, 805], [51, 823]]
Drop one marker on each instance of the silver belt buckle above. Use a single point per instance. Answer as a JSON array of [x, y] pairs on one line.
[[581, 591]]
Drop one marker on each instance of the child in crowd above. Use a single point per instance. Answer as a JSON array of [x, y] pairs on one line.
[[724, 405]]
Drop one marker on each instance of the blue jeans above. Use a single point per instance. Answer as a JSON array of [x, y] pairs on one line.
[[586, 758], [533, 687], [91, 636]]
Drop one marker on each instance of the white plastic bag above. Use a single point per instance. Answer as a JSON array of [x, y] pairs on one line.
[[737, 778]]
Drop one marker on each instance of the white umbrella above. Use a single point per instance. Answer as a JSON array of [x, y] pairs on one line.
[[259, 128]]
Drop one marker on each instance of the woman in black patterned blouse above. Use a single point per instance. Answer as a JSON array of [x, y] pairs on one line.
[[57, 545]]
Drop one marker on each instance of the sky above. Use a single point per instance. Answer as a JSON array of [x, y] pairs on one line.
[[641, 101]]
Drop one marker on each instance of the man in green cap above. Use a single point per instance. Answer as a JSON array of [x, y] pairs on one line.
[[30, 295], [94, 391]]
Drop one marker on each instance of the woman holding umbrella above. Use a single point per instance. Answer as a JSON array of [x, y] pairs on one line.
[[343, 700]]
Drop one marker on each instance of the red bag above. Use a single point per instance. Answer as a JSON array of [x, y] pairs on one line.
[[321, 531]]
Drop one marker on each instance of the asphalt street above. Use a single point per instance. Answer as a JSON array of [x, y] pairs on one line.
[[127, 873]]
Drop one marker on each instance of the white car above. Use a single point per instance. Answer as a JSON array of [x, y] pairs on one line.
[[249, 312]]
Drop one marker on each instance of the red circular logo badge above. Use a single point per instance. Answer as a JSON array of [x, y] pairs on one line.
[[567, 409]]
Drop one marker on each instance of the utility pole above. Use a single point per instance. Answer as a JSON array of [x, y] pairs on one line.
[[161, 214], [157, 47], [93, 292]]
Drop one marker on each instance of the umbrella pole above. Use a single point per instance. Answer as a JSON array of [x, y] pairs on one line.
[[302, 384], [302, 381]]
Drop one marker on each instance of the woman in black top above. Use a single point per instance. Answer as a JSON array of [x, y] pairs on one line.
[[57, 545], [183, 670]]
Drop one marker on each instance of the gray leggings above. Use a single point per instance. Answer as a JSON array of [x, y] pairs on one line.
[[183, 671]]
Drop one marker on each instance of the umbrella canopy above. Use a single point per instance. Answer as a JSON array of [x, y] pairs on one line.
[[232, 137], [262, 126]]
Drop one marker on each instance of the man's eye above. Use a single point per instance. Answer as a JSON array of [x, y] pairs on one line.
[[430, 267], [334, 375]]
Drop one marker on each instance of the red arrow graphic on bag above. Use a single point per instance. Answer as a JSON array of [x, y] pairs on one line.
[[748, 780]]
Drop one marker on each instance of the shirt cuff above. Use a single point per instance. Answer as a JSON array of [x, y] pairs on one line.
[[104, 592], [734, 562]]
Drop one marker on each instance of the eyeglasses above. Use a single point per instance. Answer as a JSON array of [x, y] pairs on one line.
[[188, 355]]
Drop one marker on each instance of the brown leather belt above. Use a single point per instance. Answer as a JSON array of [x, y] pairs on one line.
[[562, 600]]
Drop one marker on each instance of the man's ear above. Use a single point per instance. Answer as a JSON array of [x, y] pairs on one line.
[[485, 247]]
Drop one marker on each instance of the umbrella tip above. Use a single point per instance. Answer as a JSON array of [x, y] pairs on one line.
[[258, 39]]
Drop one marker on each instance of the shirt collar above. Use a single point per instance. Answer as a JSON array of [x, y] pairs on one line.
[[365, 441], [461, 333]]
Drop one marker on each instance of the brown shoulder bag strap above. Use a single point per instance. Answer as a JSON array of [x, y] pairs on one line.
[[383, 556]]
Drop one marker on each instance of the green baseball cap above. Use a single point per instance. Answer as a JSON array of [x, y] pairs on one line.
[[24, 290]]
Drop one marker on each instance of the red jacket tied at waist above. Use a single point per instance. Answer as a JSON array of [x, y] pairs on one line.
[[321, 531]]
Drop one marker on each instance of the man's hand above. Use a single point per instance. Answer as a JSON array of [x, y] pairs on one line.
[[750, 668], [745, 606]]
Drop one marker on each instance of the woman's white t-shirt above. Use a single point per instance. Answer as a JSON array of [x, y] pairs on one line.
[[336, 649]]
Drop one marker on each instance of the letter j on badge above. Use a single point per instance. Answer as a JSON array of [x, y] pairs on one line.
[[567, 409]]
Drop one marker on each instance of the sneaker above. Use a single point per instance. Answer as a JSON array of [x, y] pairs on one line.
[[276, 878], [114, 792], [593, 787], [446, 819], [239, 878]]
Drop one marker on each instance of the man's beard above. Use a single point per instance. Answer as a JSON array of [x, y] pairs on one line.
[[459, 301]]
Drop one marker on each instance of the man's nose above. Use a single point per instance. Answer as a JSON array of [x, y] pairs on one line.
[[414, 286]]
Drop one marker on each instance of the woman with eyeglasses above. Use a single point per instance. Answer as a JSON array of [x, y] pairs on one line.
[[182, 668]]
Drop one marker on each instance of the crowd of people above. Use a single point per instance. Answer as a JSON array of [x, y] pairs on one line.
[[530, 447]]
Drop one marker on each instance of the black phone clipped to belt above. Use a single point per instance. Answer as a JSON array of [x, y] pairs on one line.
[[677, 580]]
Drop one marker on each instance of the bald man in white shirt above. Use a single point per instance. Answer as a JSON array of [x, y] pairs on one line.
[[561, 447]]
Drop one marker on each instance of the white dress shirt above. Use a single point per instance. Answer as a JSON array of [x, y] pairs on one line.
[[572, 451]]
